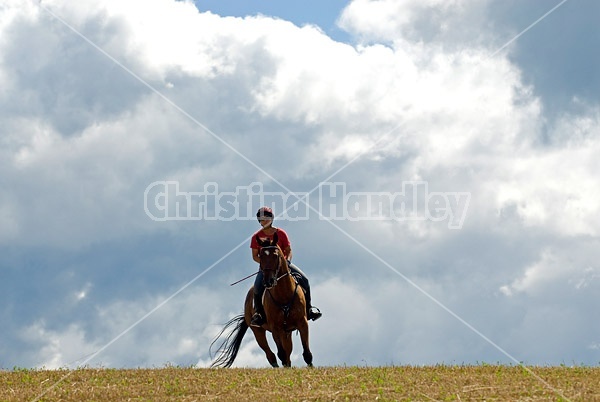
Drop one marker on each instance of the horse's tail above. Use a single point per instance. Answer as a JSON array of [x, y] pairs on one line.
[[230, 346]]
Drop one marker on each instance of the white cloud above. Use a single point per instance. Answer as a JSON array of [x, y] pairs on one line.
[[381, 20], [58, 349], [555, 187], [82, 139], [558, 270], [400, 22], [546, 269], [177, 333]]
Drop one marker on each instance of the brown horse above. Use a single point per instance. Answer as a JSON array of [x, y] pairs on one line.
[[285, 309]]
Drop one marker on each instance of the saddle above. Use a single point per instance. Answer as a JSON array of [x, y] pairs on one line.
[[298, 278]]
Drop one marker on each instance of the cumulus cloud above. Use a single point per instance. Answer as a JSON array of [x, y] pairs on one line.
[[432, 21], [176, 333], [139, 92]]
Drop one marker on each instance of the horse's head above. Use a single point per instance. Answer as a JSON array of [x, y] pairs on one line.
[[272, 261]]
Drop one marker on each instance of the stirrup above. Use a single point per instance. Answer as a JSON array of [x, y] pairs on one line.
[[314, 314], [257, 320]]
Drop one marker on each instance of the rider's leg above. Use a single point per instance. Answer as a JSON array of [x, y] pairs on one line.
[[312, 313], [259, 317]]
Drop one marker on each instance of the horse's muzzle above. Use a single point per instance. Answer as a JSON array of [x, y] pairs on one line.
[[270, 282]]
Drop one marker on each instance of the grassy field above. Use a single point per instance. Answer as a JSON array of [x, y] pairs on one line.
[[401, 383]]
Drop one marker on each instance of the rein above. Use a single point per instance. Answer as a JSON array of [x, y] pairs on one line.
[[285, 307], [282, 276], [277, 278]]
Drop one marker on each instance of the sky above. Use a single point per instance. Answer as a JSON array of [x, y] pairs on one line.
[[446, 151]]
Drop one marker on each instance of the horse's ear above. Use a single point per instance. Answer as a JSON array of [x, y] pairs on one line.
[[261, 242], [275, 239]]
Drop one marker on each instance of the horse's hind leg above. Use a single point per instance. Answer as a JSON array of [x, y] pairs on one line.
[[261, 338]]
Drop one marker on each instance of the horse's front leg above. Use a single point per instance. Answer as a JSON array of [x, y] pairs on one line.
[[261, 338], [306, 353], [287, 347], [283, 340], [260, 334]]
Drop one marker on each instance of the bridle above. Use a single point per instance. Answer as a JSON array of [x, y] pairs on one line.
[[278, 268]]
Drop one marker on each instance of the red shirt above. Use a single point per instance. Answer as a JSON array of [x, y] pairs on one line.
[[283, 240]]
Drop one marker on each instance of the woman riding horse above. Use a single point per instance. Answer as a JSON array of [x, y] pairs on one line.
[[269, 232], [285, 308]]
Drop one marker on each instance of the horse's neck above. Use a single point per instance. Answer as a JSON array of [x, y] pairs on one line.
[[285, 285]]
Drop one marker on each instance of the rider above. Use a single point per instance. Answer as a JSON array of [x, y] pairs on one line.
[[265, 218]]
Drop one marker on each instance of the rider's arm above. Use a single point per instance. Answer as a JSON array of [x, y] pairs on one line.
[[255, 255], [287, 252]]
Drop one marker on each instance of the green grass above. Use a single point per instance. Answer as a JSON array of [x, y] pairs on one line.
[[400, 383]]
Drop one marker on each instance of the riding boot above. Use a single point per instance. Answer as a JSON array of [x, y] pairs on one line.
[[312, 313], [259, 317]]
